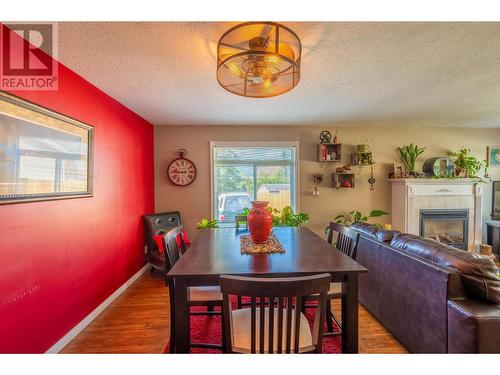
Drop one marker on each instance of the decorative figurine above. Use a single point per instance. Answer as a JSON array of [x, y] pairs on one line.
[[335, 139], [344, 168], [325, 137]]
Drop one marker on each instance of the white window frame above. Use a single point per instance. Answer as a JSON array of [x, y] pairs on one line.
[[213, 144]]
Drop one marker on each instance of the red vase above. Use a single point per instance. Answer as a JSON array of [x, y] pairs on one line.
[[260, 221]]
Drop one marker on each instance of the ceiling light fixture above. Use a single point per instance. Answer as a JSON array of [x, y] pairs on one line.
[[258, 59]]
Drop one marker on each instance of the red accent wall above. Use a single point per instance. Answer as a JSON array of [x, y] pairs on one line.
[[60, 259]]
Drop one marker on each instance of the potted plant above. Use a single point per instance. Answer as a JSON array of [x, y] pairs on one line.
[[408, 155], [206, 224], [356, 216], [466, 165], [285, 217]]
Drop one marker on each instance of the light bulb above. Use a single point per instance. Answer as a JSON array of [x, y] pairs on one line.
[[272, 59]]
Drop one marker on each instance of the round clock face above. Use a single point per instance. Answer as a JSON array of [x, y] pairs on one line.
[[181, 172]]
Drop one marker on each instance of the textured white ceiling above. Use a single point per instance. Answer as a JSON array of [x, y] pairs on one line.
[[393, 74]]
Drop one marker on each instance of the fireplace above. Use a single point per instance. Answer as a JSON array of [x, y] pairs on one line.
[[441, 198], [448, 226]]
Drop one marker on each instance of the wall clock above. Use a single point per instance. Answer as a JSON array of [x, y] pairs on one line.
[[181, 171]]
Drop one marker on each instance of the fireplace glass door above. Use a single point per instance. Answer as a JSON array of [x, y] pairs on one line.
[[447, 226]]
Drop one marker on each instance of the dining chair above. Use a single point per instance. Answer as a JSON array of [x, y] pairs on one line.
[[157, 225], [346, 240], [207, 296], [241, 219], [274, 322]]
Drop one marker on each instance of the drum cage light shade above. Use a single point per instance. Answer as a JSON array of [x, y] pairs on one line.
[[259, 59]]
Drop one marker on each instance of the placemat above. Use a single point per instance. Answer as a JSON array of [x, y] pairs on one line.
[[271, 246]]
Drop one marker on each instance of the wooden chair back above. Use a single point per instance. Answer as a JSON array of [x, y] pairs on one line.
[[347, 240], [241, 219], [281, 296], [171, 242]]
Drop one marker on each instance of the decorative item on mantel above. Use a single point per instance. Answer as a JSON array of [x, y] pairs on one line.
[[439, 167], [260, 221], [397, 170], [466, 165], [408, 155]]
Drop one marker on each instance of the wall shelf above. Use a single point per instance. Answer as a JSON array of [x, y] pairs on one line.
[[343, 180], [329, 152]]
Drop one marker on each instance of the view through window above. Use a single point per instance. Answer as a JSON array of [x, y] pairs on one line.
[[242, 174]]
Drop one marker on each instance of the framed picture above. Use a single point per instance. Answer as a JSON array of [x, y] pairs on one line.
[[398, 170], [43, 154], [493, 156]]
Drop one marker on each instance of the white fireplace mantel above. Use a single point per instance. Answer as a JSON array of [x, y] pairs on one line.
[[411, 195]]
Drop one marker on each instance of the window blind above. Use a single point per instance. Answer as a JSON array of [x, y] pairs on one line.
[[242, 174]]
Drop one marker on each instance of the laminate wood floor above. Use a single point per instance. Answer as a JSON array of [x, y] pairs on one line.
[[138, 322]]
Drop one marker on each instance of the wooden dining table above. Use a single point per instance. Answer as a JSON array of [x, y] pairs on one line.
[[217, 252]]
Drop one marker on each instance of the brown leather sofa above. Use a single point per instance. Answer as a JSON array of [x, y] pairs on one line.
[[432, 297]]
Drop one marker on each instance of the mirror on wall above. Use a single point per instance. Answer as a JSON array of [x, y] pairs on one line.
[[43, 155]]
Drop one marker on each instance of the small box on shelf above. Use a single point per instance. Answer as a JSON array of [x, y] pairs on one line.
[[329, 152], [343, 180]]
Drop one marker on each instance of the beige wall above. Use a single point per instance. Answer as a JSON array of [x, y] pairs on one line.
[[194, 201]]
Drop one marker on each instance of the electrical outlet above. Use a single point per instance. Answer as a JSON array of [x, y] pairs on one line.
[[145, 249]]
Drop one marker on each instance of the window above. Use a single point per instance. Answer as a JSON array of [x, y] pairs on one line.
[[243, 172]]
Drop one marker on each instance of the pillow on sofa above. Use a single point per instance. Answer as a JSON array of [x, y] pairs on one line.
[[478, 274]]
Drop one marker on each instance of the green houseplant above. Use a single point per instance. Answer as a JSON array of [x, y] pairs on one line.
[[356, 216], [466, 165], [285, 217], [206, 224], [408, 155]]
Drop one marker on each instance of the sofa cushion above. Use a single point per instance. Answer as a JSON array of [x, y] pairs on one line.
[[373, 231], [364, 228], [385, 235], [479, 274]]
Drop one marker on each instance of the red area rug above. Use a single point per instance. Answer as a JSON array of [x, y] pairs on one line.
[[207, 329]]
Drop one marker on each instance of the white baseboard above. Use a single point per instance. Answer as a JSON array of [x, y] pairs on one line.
[[99, 309]]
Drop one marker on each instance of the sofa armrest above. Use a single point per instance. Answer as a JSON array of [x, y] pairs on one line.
[[412, 300], [473, 326]]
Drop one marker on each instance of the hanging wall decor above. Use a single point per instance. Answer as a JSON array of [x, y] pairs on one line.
[[43, 154], [181, 171], [372, 179]]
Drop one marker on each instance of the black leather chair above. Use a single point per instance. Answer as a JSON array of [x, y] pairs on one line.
[[157, 224]]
